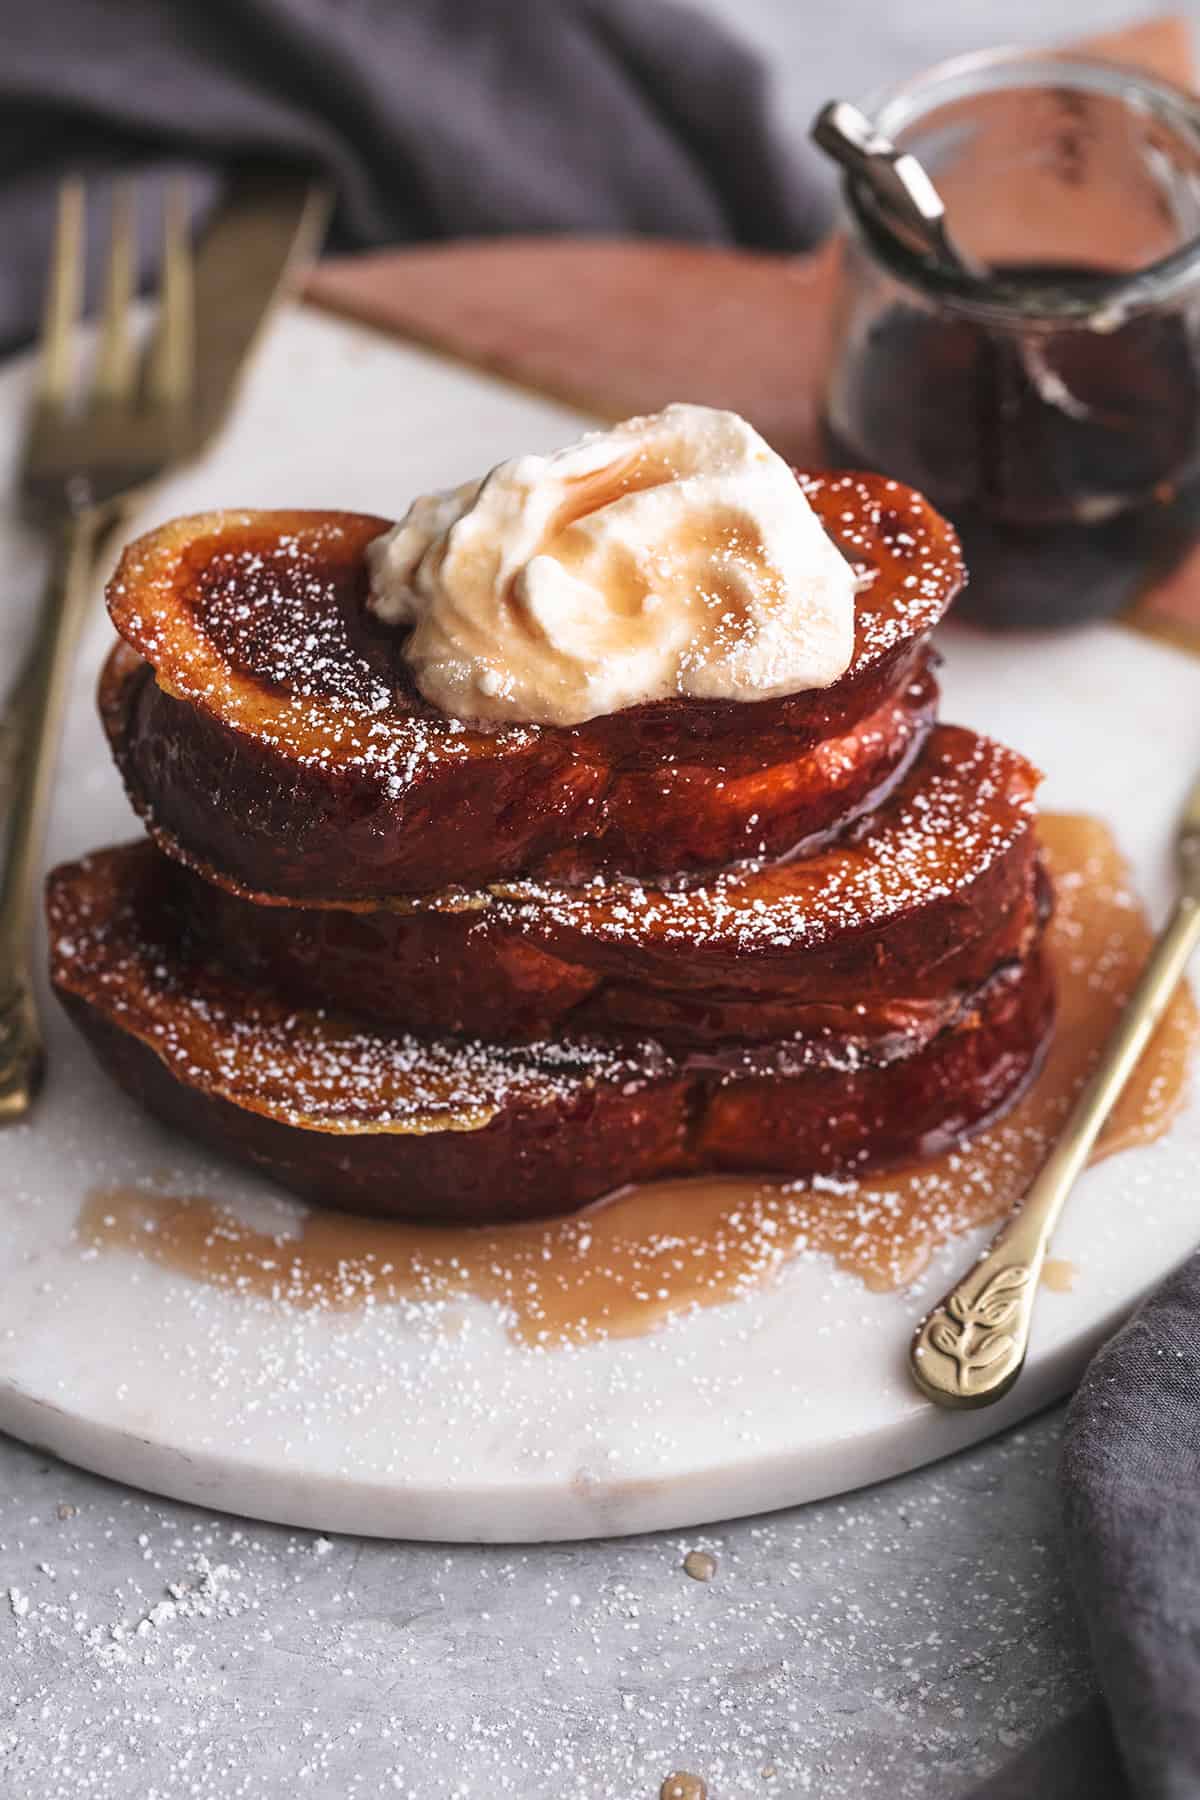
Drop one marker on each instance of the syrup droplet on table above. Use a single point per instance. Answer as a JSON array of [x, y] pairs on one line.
[[682, 1786], [621, 1268]]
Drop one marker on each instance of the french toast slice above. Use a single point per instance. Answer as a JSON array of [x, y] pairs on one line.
[[465, 1132], [877, 936], [269, 733]]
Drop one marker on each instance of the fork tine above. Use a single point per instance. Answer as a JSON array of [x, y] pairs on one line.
[[64, 292], [114, 372], [169, 362]]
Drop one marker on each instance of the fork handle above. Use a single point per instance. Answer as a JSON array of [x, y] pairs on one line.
[[14, 706], [49, 672], [970, 1349]]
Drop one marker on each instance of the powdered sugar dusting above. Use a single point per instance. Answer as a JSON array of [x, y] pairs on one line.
[[677, 1246], [306, 1068], [269, 647], [968, 801]]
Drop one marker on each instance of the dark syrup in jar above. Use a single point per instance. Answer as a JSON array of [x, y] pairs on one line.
[[1066, 511]]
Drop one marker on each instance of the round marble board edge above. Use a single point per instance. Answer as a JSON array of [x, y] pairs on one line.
[[400, 1422]]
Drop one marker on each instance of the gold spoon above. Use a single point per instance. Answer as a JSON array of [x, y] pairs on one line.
[[970, 1349]]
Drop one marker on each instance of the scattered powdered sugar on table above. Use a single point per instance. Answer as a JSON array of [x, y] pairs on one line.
[[861, 1649]]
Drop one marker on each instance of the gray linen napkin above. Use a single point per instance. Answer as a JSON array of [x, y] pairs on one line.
[[1130, 1475], [434, 118]]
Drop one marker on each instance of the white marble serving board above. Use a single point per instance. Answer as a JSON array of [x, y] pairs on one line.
[[408, 1422]]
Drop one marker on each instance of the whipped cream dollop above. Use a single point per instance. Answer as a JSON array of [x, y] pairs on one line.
[[673, 555]]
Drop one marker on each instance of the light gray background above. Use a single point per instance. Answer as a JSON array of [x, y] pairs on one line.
[[898, 1643]]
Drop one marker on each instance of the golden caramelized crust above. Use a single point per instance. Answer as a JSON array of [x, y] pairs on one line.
[[113, 943], [966, 804], [268, 729], [372, 1121], [876, 936], [416, 967]]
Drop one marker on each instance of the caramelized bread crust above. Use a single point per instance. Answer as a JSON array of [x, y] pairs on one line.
[[269, 733], [874, 940], [474, 1133], [420, 969]]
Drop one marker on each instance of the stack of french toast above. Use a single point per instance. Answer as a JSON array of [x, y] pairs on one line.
[[412, 966]]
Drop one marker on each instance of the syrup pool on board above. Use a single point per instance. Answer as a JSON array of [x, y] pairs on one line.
[[621, 1268]]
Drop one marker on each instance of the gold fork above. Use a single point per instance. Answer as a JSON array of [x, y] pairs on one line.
[[970, 1349], [83, 463]]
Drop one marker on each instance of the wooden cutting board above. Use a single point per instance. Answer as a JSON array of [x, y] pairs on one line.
[[619, 326]]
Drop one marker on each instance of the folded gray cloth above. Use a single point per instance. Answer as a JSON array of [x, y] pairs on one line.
[[433, 118], [1130, 1475]]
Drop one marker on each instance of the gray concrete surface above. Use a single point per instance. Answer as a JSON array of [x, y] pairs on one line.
[[896, 1643]]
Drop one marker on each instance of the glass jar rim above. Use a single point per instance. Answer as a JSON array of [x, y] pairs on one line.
[[1109, 300]]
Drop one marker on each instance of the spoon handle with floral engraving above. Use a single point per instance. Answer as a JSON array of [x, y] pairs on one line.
[[969, 1350]]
